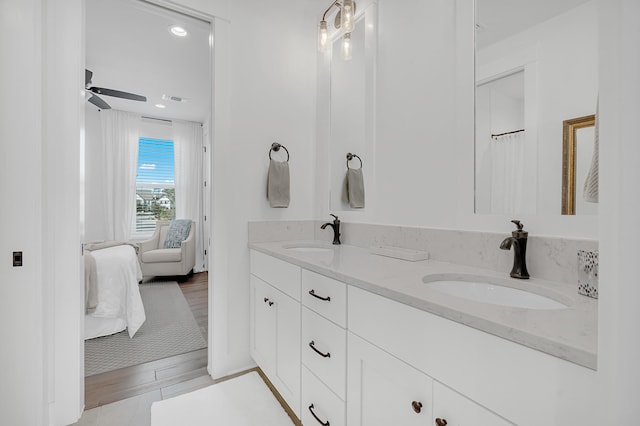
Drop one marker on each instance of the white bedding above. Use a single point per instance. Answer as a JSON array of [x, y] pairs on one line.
[[119, 302]]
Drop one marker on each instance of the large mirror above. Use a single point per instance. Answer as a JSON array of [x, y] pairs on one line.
[[351, 112], [536, 67]]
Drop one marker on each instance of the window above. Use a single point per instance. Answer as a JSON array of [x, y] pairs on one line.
[[155, 184]]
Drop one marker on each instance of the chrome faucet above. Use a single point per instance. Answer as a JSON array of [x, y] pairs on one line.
[[519, 242], [336, 229]]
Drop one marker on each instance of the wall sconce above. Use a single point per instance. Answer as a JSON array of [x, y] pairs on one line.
[[344, 20], [347, 47]]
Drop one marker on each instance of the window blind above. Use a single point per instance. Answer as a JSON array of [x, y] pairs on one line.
[[155, 184]]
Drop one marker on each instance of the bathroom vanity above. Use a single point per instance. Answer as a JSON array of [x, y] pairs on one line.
[[352, 338]]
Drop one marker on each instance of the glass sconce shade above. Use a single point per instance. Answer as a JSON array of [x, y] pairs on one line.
[[347, 47], [347, 18], [323, 36]]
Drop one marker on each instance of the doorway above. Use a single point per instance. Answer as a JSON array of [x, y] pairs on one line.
[[132, 47]]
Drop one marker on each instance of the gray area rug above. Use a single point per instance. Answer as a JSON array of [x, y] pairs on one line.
[[170, 329]]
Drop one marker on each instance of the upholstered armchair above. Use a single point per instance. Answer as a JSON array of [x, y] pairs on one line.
[[156, 260]]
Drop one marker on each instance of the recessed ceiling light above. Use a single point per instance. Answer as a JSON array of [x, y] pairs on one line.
[[160, 106], [177, 30]]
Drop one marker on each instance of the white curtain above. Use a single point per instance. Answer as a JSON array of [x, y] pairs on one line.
[[188, 146], [507, 175], [120, 133]]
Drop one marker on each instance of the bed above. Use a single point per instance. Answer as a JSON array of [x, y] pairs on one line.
[[112, 296]]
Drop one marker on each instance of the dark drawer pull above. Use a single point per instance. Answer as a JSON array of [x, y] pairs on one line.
[[312, 346], [313, 293], [417, 406], [441, 422], [316, 417], [266, 300]]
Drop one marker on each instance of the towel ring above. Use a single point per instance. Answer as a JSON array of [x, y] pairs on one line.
[[276, 147], [350, 157]]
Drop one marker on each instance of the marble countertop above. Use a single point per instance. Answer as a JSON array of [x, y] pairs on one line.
[[570, 334]]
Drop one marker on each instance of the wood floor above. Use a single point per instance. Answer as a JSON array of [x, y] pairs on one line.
[[173, 375]]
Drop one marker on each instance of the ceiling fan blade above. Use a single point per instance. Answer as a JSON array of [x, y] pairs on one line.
[[87, 76], [99, 102], [118, 94]]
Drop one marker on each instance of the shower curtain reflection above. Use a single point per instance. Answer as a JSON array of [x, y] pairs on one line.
[[507, 172]]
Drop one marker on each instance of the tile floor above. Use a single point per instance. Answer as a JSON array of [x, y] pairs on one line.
[[136, 411]]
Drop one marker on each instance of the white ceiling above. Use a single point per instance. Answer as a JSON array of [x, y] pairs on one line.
[[129, 48], [502, 18]]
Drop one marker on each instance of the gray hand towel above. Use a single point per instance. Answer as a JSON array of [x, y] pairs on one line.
[[355, 188], [278, 184]]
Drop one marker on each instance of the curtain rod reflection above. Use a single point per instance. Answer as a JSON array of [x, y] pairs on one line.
[[507, 133]]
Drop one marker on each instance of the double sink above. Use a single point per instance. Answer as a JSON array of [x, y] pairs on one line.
[[476, 288]]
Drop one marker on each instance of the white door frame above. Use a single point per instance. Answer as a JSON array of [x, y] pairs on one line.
[[64, 403]]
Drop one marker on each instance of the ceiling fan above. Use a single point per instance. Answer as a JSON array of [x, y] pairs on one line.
[[98, 101]]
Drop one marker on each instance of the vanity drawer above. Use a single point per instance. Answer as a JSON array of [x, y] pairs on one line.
[[318, 400], [324, 350], [325, 296], [282, 275]]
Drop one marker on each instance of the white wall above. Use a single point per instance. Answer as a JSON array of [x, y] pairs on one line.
[[619, 316], [41, 177], [62, 213], [23, 392], [415, 141], [270, 67]]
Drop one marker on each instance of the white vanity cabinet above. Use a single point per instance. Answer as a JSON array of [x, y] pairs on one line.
[[457, 410], [275, 325], [384, 390], [324, 350], [341, 355]]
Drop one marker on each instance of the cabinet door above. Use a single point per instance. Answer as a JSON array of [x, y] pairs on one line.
[[263, 325], [275, 339], [383, 391], [457, 410], [288, 363]]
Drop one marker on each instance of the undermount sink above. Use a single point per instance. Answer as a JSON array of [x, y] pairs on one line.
[[310, 247], [482, 290]]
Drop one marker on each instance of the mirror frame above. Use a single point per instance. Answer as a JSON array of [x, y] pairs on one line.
[[569, 145]]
